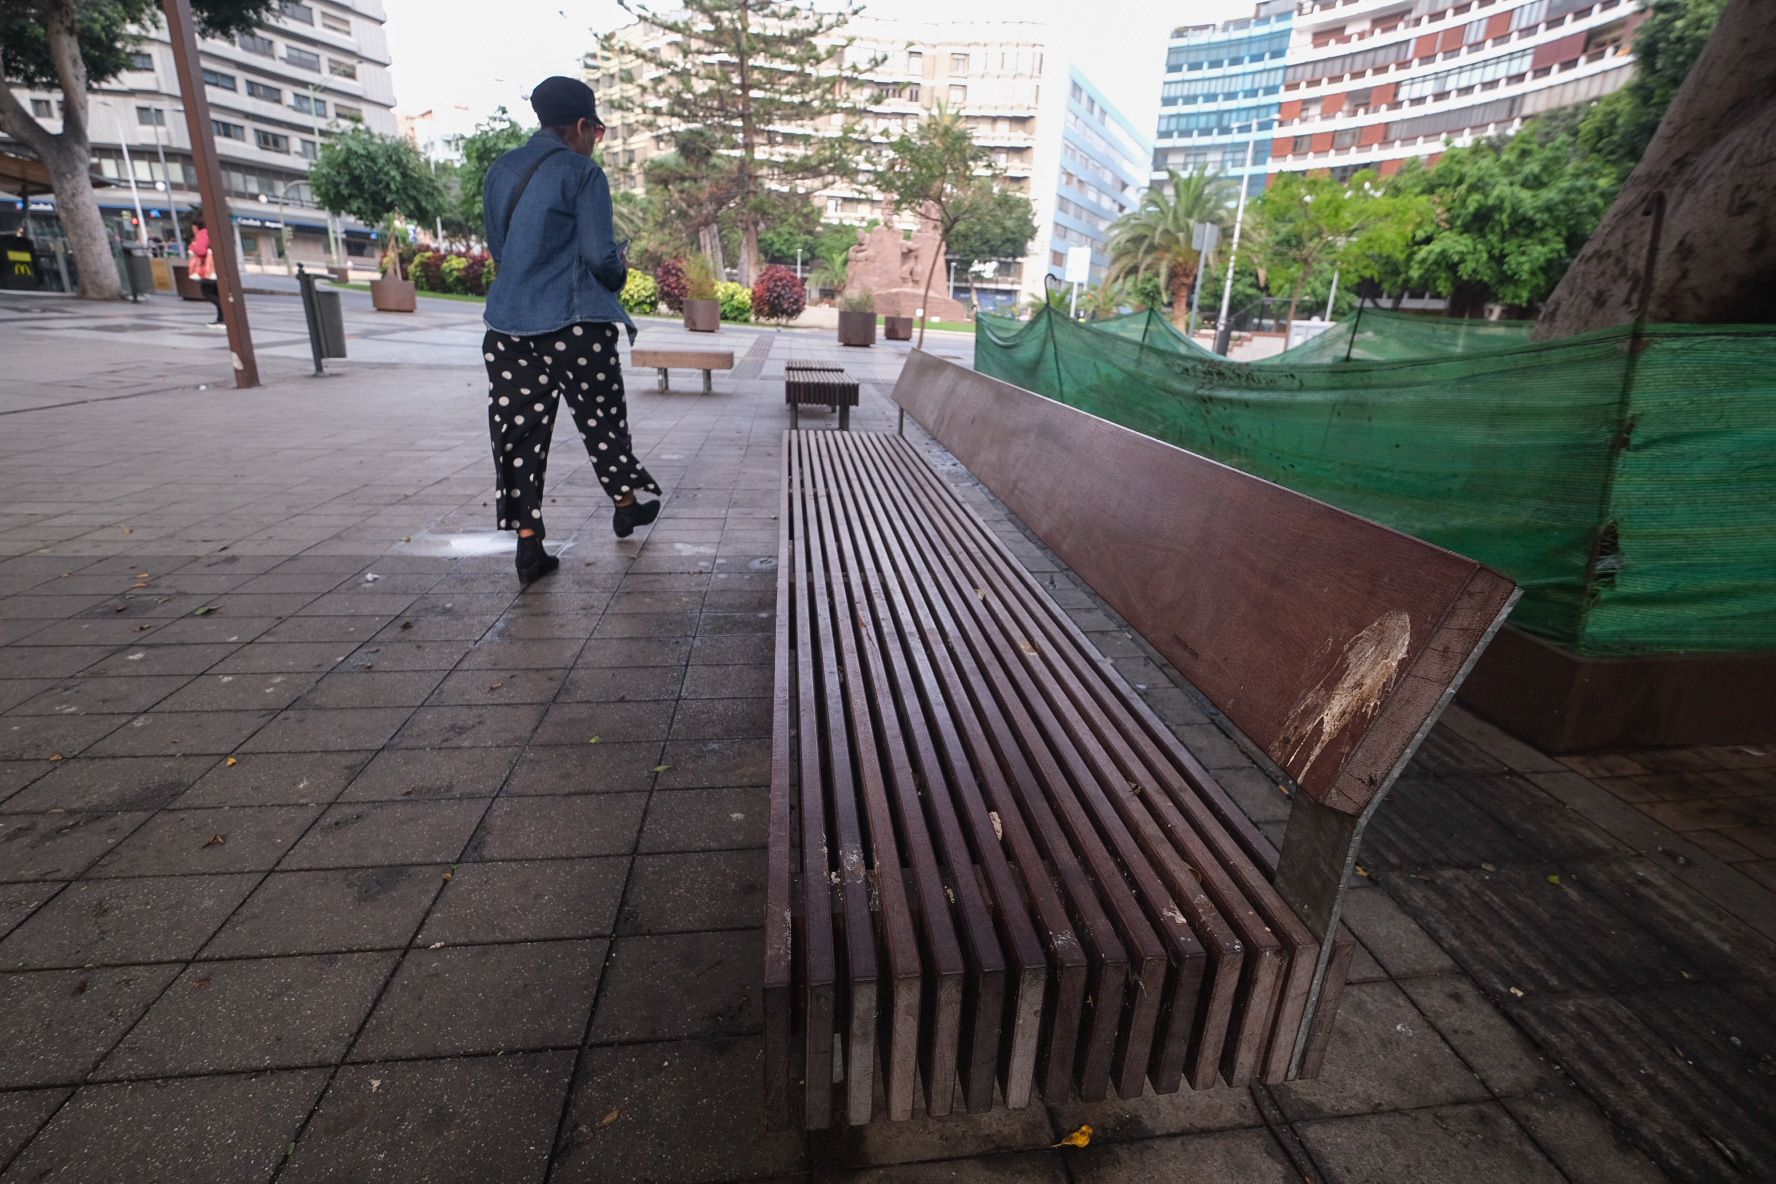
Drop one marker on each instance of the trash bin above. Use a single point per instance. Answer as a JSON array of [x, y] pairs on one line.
[[141, 269], [330, 320]]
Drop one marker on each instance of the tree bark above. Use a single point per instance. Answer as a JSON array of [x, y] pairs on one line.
[[68, 157], [1182, 283], [943, 241], [1714, 160]]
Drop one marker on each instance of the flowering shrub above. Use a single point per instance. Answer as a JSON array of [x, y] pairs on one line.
[[673, 287], [453, 269], [463, 272], [778, 295], [640, 294], [426, 269], [736, 301]]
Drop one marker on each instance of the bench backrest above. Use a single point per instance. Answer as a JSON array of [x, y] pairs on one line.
[[1331, 641]]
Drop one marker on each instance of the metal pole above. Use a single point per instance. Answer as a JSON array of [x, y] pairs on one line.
[[1223, 331], [130, 169], [314, 122], [1333, 295], [172, 205], [182, 32]]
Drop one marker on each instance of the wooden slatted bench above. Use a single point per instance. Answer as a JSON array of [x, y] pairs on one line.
[[818, 384], [706, 360], [992, 870]]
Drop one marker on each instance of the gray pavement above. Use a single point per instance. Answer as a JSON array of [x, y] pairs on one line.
[[327, 855]]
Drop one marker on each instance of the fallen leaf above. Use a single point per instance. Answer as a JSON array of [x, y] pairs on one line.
[[449, 876], [120, 608], [406, 624], [1553, 879], [143, 628], [1517, 992], [998, 827], [199, 983], [57, 757], [609, 1118], [437, 945], [375, 1084], [592, 740], [1079, 1138], [128, 530], [205, 611], [141, 575], [1491, 867], [494, 686], [1363, 871], [231, 762], [406, 538], [215, 841], [661, 768], [1028, 649], [371, 577]]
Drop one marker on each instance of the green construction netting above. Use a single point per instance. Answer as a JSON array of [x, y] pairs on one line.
[[1476, 439]]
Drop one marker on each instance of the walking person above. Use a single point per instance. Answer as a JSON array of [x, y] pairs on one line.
[[203, 269], [552, 321]]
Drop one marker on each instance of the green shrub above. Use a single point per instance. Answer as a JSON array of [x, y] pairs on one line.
[[640, 294], [425, 271], [736, 301], [864, 301], [453, 269], [700, 278]]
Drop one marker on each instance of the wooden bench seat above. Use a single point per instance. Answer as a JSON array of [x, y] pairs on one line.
[[818, 384], [990, 865], [706, 360]]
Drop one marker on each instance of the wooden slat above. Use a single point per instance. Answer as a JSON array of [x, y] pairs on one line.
[[1305, 641], [783, 1065], [682, 359]]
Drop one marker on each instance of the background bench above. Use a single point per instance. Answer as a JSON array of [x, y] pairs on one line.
[[706, 360], [819, 384], [990, 865]]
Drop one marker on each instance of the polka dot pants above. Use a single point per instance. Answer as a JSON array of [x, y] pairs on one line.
[[527, 376]]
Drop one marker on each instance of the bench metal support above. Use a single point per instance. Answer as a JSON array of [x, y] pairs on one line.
[[709, 382], [665, 383]]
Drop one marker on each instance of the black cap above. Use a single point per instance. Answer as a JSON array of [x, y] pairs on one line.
[[560, 101]]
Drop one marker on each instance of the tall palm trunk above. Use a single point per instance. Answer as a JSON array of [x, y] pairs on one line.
[[1183, 281]]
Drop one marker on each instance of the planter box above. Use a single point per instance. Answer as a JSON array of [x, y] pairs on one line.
[[184, 284], [389, 294], [703, 316], [342, 275], [897, 328], [857, 328]]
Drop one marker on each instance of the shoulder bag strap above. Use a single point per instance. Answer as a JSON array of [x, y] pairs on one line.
[[512, 206]]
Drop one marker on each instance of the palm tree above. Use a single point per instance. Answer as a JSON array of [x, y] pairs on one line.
[[830, 271], [1155, 239]]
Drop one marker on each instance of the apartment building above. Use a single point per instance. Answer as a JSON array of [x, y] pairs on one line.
[[1221, 95], [1022, 101], [274, 94], [1370, 84]]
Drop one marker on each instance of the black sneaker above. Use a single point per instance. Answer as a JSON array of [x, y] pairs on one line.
[[533, 562], [635, 514]]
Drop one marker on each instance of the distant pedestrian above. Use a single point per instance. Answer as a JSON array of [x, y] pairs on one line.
[[203, 269], [552, 321]]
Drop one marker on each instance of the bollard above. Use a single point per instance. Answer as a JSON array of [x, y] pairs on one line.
[[311, 314]]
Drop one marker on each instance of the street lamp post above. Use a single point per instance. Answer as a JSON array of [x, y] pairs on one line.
[[166, 180], [314, 123], [130, 170], [1223, 329]]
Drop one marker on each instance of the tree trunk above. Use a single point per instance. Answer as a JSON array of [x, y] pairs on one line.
[[749, 248], [1294, 302], [1182, 283], [925, 299], [1714, 161]]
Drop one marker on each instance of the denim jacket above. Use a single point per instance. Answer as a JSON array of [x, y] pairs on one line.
[[559, 265]]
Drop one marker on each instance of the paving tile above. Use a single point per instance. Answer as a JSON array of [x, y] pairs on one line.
[[272, 657], [167, 733], [550, 654], [714, 649], [628, 652], [1575, 1134], [1448, 1145], [617, 684], [48, 661], [584, 767], [299, 730], [922, 1138], [661, 1091], [18, 901], [257, 1013], [1185, 1112], [22, 1112], [680, 985], [1398, 943], [325, 911], [99, 696], [329, 629], [1503, 1057], [210, 630], [1248, 1156], [55, 1025], [694, 764], [469, 727], [527, 901], [633, 625], [1212, 747], [532, 626], [225, 839], [42, 738], [372, 689], [609, 723], [558, 827], [414, 654], [700, 890], [725, 682], [1378, 1025], [370, 834], [422, 774], [706, 819], [117, 783], [462, 1000], [118, 922], [197, 1130], [469, 1119], [59, 846], [469, 688], [274, 779], [722, 719], [1036, 1167], [237, 692]]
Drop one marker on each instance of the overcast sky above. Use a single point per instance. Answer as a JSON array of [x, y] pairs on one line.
[[473, 54]]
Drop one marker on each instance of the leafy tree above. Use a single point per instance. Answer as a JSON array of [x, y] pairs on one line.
[[74, 45], [998, 224], [495, 136], [749, 73], [1304, 228], [830, 271], [791, 225], [375, 178], [1618, 129], [938, 173], [1155, 240]]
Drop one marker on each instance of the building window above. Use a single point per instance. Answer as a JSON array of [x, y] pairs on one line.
[[218, 80], [290, 10], [309, 105], [151, 117], [958, 63], [337, 24], [1058, 258], [302, 59], [915, 62], [912, 93], [958, 95], [341, 69], [253, 43], [306, 149], [229, 131], [271, 141], [258, 90], [141, 61], [349, 114], [40, 108]]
